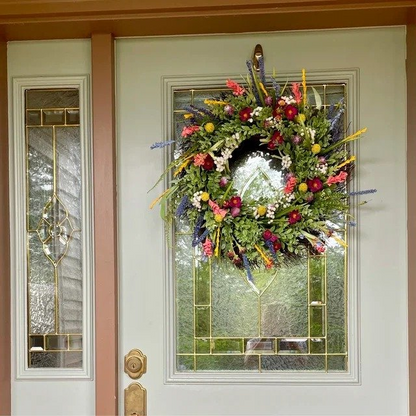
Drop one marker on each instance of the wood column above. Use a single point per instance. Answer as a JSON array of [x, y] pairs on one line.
[[411, 207], [105, 220], [5, 341]]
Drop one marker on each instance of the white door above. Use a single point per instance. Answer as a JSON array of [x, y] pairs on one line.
[[372, 64]]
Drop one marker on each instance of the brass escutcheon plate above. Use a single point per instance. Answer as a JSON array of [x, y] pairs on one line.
[[135, 364], [135, 400]]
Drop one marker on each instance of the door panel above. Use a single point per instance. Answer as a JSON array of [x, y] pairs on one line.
[[378, 58]]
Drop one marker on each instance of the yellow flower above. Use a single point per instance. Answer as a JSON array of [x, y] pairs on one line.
[[209, 127], [218, 217], [261, 210], [303, 187], [187, 115], [301, 118], [316, 148], [205, 196]]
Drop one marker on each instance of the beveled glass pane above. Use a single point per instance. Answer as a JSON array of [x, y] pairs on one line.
[[317, 345], [336, 301], [203, 283], [337, 363], [228, 346], [293, 363], [203, 346], [293, 345], [72, 117], [33, 118], [317, 265], [202, 321], [227, 362], [317, 322], [53, 117], [54, 231]]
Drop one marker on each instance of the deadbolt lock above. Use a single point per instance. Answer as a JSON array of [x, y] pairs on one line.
[[135, 364]]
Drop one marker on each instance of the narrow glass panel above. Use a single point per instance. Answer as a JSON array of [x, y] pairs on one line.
[[291, 319], [54, 227], [60, 98], [72, 117]]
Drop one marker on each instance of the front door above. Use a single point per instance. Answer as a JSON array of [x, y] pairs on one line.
[[193, 328]]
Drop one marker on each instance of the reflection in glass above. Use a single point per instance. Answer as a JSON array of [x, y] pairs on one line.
[[54, 226], [289, 319]]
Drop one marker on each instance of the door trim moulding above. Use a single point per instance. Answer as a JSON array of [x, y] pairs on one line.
[[17, 138], [352, 377]]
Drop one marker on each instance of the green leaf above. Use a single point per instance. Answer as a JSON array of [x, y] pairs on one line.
[[318, 100]]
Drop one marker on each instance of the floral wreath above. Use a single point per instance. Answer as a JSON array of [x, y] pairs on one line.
[[316, 163]]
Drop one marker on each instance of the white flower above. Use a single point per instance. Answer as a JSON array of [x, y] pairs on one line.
[[286, 162], [196, 200]]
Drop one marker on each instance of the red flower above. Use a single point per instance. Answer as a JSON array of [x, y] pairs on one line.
[[296, 92], [235, 201], [245, 114], [294, 217], [277, 137], [291, 112], [267, 235], [290, 185], [271, 145], [237, 88], [208, 163], [277, 245], [314, 185]]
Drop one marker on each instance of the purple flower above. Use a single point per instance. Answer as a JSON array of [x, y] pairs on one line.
[[235, 212], [223, 182]]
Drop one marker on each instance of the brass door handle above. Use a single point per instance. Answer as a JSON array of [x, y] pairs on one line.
[[135, 364]]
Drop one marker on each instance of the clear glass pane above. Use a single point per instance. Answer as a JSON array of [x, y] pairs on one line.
[[292, 319], [54, 231]]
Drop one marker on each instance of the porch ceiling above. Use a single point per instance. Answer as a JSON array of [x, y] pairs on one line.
[[55, 19]]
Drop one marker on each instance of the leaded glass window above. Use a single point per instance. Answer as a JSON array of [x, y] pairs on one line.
[[54, 228], [290, 319]]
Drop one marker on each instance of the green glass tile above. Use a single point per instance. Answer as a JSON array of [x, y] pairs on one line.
[[202, 346], [185, 363], [228, 346], [317, 346], [337, 363], [202, 282], [317, 321], [202, 321], [227, 363]]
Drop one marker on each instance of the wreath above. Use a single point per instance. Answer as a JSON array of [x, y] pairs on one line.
[[305, 141]]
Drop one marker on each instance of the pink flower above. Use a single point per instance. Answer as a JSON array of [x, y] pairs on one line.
[[290, 185], [294, 217], [245, 114], [188, 130], [337, 178], [296, 92], [199, 159], [237, 88], [207, 246], [268, 101], [314, 185], [235, 212], [216, 209], [235, 201], [320, 248], [223, 182], [291, 112]]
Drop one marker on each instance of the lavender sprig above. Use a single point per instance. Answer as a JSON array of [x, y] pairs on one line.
[[183, 206], [247, 267], [253, 82], [276, 87], [200, 239], [262, 73], [159, 145], [365, 192], [270, 246]]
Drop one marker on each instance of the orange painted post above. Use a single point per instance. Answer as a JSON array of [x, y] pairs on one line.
[[105, 225], [5, 341]]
